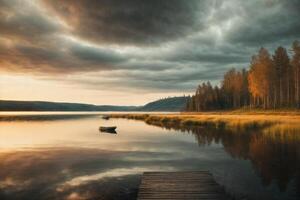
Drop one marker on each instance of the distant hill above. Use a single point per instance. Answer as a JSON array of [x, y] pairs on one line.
[[58, 106], [167, 104]]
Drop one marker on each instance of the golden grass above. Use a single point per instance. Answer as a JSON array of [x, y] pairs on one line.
[[221, 119]]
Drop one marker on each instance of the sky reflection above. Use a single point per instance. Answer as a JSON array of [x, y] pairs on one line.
[[71, 159]]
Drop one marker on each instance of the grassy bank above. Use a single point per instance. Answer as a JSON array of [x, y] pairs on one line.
[[235, 119]]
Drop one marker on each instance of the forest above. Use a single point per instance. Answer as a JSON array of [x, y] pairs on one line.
[[271, 82]]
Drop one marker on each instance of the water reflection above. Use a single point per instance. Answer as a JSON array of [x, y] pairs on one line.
[[274, 151], [49, 174], [71, 159], [108, 131]]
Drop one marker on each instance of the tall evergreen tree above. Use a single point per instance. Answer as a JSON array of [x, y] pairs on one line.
[[282, 77], [271, 82], [296, 71]]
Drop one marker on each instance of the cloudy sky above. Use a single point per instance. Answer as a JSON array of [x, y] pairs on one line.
[[135, 51]]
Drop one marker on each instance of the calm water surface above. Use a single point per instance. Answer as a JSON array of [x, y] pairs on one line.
[[62, 157]]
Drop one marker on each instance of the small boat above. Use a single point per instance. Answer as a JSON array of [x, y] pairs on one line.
[[107, 128], [105, 117]]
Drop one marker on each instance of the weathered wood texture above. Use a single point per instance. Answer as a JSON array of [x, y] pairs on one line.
[[180, 185]]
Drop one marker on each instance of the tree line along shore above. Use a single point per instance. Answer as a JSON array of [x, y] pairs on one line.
[[263, 96], [271, 82]]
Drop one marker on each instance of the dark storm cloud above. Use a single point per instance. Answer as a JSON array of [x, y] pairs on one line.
[[96, 55], [145, 65], [266, 22], [23, 23], [220, 58], [135, 21], [32, 59], [143, 44], [185, 79], [52, 60]]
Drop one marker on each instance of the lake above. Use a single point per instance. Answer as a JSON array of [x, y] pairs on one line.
[[64, 156]]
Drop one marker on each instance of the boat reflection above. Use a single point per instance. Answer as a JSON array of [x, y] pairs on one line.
[[109, 131]]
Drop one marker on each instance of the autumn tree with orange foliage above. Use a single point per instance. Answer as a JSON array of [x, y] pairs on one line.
[[272, 82], [261, 78]]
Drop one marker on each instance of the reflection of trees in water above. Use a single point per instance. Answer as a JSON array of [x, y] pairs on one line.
[[274, 153]]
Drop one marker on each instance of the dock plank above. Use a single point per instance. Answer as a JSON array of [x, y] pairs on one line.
[[192, 185]]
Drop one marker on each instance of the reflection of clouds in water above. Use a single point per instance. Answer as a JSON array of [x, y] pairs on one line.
[[84, 171], [9, 182], [184, 151], [74, 196], [64, 170], [41, 169], [119, 172]]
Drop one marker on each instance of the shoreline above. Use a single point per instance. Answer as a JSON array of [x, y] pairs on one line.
[[230, 119]]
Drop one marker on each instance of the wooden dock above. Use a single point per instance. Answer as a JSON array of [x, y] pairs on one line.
[[180, 186]]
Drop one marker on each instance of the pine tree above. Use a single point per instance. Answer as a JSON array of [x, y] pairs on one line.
[[296, 71], [282, 65], [269, 83]]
